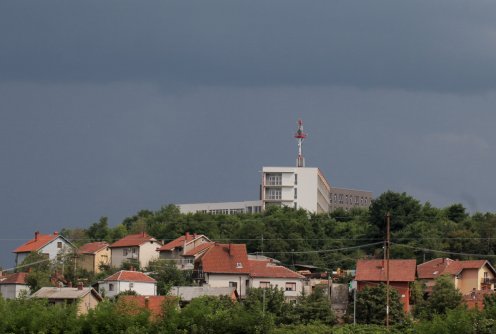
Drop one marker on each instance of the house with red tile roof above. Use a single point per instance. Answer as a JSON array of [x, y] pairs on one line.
[[52, 245], [139, 247], [228, 265], [265, 274], [128, 280], [467, 276], [94, 255], [154, 304], [14, 285], [401, 274], [185, 249]]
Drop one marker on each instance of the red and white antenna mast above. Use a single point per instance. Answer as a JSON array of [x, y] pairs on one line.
[[300, 136]]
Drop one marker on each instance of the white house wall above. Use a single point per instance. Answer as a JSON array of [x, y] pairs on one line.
[[141, 288], [12, 291], [280, 283], [222, 281], [148, 252]]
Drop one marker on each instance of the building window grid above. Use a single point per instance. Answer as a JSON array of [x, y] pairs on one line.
[[273, 179], [290, 286]]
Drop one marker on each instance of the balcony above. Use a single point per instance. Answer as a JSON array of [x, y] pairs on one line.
[[488, 281]]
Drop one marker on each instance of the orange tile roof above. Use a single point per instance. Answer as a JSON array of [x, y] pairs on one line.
[[179, 242], [375, 270], [226, 258], [441, 266], [92, 247], [17, 278], [130, 276], [39, 241], [198, 249], [433, 268], [264, 268], [152, 303], [132, 240]]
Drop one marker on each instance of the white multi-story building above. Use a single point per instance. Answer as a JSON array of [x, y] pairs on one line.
[[298, 187]]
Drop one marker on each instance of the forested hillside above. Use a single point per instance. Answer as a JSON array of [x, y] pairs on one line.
[[336, 240]]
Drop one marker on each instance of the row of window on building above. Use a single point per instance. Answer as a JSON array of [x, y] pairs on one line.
[[249, 209], [348, 199]]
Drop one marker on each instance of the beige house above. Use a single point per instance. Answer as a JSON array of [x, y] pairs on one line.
[[139, 247], [185, 249], [467, 276], [93, 255], [14, 285], [86, 298]]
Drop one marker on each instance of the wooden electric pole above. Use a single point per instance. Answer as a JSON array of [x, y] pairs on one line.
[[388, 223]]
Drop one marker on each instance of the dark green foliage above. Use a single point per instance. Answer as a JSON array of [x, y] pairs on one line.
[[168, 275], [404, 210], [314, 308], [444, 297], [371, 306]]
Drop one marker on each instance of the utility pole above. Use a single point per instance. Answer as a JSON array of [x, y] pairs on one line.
[[388, 223]]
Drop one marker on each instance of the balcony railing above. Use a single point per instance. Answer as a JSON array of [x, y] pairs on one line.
[[486, 280]]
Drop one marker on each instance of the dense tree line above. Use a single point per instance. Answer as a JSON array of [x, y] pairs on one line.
[[292, 236]]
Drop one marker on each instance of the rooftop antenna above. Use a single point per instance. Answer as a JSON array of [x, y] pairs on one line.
[[300, 136]]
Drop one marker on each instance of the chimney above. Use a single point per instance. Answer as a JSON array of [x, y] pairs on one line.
[[194, 235], [80, 286], [147, 302], [187, 235], [143, 234], [132, 268], [55, 233], [36, 234], [69, 285]]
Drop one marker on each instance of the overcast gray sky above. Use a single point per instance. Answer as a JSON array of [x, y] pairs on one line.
[[109, 107]]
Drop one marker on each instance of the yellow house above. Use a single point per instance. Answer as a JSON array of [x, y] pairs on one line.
[[93, 255], [468, 276]]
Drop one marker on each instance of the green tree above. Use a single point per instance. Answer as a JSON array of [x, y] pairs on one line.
[[371, 305], [168, 275], [269, 300], [404, 210], [99, 231], [444, 297], [314, 307]]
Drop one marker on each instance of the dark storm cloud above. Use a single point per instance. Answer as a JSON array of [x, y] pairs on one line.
[[417, 45]]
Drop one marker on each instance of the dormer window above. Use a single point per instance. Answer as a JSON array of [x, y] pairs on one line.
[[239, 265]]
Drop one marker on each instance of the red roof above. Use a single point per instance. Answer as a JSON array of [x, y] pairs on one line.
[[92, 247], [133, 240], [152, 303], [445, 266], [226, 258], [376, 270], [130, 276], [264, 268], [198, 249], [17, 278], [39, 241], [433, 268], [179, 242]]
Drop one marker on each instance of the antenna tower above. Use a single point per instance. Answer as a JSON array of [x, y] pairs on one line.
[[300, 136]]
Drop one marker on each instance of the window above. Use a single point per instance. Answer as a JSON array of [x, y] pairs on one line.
[[131, 285], [124, 252], [111, 287], [273, 193], [290, 286], [233, 284], [273, 179], [239, 265], [134, 250], [265, 285], [295, 205], [295, 193], [59, 244], [296, 178]]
